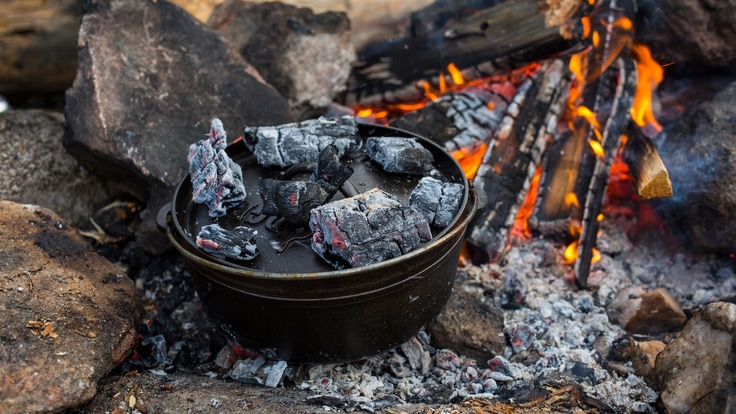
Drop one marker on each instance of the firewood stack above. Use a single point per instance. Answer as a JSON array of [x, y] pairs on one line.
[[566, 122]]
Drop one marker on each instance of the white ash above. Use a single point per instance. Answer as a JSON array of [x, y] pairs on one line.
[[564, 324]]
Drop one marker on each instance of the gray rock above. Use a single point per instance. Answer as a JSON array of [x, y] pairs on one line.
[[695, 35], [68, 316], [645, 312], [38, 170], [697, 366], [150, 79], [699, 151], [469, 325], [309, 56]]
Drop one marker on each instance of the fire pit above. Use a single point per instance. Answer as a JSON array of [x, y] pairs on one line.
[[291, 304]]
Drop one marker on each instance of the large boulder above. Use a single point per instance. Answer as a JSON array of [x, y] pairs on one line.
[[150, 80]]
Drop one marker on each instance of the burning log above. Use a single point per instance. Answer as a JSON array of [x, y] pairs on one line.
[[216, 180], [296, 143], [291, 200], [615, 126], [461, 120], [498, 39], [646, 166], [330, 173], [365, 229], [512, 158], [438, 201], [399, 155], [238, 243]]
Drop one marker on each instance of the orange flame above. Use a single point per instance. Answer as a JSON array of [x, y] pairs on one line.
[[596, 147], [570, 253], [651, 75], [571, 200], [521, 222], [470, 160], [457, 76]]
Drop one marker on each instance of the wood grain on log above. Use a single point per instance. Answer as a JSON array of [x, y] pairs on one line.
[[511, 160], [646, 166], [507, 36]]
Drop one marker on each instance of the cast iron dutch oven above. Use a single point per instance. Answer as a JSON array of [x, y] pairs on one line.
[[290, 304]]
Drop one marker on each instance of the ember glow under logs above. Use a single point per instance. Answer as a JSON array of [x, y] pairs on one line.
[[290, 303]]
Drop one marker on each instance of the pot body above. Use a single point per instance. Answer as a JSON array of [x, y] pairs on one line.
[[323, 316], [312, 319]]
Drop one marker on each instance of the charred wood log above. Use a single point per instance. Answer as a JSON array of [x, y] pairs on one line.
[[216, 179], [330, 173], [512, 158], [569, 164], [646, 166], [616, 125], [399, 155], [461, 120], [499, 39], [438, 201], [365, 229], [237, 244], [296, 143], [291, 200]]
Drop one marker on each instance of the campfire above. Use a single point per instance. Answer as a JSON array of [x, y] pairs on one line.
[[555, 127], [480, 212]]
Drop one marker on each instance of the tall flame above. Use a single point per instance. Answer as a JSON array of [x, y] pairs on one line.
[[650, 76]]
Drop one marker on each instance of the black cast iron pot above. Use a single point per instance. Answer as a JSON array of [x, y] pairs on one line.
[[290, 304]]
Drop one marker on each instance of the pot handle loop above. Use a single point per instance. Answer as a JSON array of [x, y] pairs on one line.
[[163, 218]]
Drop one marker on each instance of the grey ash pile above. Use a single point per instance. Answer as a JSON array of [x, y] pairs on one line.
[[558, 341]]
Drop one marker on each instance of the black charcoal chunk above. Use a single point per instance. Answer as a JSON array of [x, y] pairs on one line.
[[331, 173], [295, 143], [438, 201], [238, 243], [367, 228], [216, 180], [400, 155], [291, 200]]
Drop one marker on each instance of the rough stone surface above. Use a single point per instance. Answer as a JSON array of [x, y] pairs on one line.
[[696, 365], [150, 80], [470, 325], [308, 58], [34, 162], [648, 313], [67, 315], [699, 151], [690, 35]]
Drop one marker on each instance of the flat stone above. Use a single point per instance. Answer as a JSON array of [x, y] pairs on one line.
[[34, 161], [698, 151], [68, 316], [309, 56], [469, 325], [642, 312], [697, 365]]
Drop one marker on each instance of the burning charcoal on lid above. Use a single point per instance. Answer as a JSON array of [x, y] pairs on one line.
[[216, 180], [290, 144], [438, 201], [331, 173], [400, 155], [291, 200], [365, 229], [238, 243]]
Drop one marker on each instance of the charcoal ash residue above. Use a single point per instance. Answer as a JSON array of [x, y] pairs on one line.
[[553, 333]]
